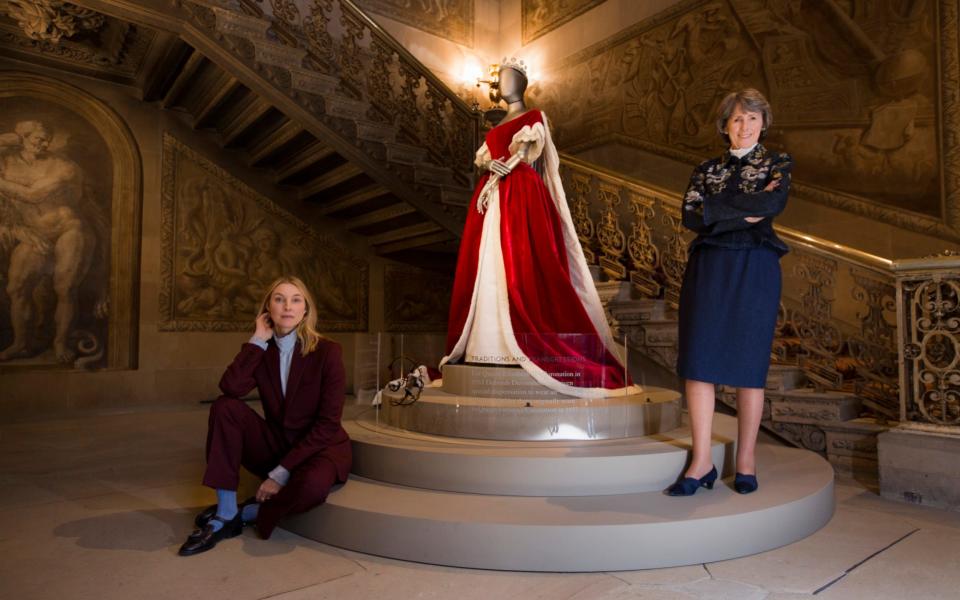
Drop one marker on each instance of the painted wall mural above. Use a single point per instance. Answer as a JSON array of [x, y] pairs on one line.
[[223, 244], [69, 178], [853, 87], [450, 19], [415, 299], [539, 17]]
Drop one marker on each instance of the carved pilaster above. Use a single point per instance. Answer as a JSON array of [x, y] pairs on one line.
[[579, 198], [613, 242], [643, 252]]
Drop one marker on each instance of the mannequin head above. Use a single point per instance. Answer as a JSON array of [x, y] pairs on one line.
[[513, 84]]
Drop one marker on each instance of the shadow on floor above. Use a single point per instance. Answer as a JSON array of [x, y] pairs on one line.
[[155, 530]]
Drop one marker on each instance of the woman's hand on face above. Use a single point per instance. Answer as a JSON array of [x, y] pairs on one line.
[[264, 329], [268, 489]]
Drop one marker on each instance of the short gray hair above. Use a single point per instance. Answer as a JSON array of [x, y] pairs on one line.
[[750, 100]]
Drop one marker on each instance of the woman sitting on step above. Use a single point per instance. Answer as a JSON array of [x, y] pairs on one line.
[[298, 447], [731, 289]]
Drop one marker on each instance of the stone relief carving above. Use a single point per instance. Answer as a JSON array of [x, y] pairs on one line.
[[115, 48], [223, 244], [52, 19], [853, 87], [415, 299], [69, 181], [450, 19], [539, 17]]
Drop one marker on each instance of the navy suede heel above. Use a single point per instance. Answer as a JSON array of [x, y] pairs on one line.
[[745, 484], [688, 486]]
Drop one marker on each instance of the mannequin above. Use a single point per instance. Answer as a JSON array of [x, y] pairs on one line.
[[523, 294]]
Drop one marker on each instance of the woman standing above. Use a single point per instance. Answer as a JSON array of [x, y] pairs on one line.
[[731, 289], [298, 447]]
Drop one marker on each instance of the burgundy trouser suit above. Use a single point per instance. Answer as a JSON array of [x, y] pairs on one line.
[[300, 431]]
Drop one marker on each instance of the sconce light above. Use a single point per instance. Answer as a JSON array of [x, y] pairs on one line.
[[493, 82], [495, 113]]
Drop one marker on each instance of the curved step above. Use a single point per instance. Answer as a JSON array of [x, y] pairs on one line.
[[587, 533], [562, 468], [437, 412]]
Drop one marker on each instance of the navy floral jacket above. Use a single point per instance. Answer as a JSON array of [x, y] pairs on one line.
[[724, 190]]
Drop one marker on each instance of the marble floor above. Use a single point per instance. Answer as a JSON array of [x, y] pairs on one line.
[[95, 508]]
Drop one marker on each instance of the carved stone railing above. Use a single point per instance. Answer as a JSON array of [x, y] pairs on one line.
[[928, 298], [342, 42], [838, 312]]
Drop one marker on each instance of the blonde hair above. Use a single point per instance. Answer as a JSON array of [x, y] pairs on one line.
[[307, 328]]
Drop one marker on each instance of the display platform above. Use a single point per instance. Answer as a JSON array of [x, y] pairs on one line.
[[562, 506], [505, 403]]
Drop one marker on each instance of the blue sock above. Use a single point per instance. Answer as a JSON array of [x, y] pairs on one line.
[[250, 512], [226, 507]]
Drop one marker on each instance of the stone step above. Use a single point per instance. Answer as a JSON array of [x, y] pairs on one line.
[[635, 311], [526, 416], [312, 82], [434, 175], [510, 468], [578, 533], [405, 153], [230, 22], [455, 196], [660, 333], [277, 54], [372, 131], [781, 378], [345, 108], [807, 406]]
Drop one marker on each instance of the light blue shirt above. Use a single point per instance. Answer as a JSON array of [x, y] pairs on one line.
[[286, 346]]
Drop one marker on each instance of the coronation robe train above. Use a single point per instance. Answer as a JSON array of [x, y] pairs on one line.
[[523, 294]]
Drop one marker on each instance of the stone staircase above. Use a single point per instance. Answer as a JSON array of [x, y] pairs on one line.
[[311, 122], [829, 422]]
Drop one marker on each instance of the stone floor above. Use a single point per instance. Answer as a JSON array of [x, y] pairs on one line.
[[97, 507]]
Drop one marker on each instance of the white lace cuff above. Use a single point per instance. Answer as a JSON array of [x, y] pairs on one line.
[[483, 157]]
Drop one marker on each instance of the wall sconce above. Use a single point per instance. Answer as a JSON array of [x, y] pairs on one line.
[[493, 82], [495, 113]]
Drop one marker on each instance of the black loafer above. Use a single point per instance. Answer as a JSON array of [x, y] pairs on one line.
[[207, 538], [204, 516]]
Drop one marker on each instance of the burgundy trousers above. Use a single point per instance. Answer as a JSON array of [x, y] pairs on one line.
[[238, 436]]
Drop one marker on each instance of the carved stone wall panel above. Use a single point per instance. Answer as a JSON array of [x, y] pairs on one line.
[[116, 50], [415, 299], [854, 91], [69, 229], [223, 244], [450, 19], [539, 17]]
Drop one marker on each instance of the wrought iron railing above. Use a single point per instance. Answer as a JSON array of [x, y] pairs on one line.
[[838, 313], [341, 41], [928, 299]]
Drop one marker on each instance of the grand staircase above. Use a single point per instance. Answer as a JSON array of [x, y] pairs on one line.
[[359, 133]]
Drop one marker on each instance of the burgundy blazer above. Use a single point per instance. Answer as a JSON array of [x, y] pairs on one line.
[[308, 418]]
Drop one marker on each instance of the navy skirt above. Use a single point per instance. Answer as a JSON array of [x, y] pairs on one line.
[[728, 312]]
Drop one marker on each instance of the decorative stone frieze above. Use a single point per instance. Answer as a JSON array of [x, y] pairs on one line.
[[52, 20]]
